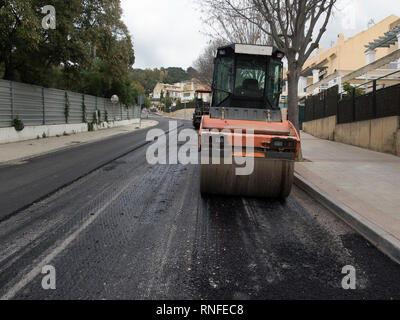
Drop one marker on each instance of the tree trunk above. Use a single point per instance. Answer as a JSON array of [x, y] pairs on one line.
[[293, 107]]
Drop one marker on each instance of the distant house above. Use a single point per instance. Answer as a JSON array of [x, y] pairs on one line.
[[184, 91]]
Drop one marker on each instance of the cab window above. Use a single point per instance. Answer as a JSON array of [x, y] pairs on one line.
[[250, 76], [223, 79], [275, 82]]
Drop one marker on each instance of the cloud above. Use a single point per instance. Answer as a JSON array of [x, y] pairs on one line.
[[165, 33], [168, 32], [352, 17]]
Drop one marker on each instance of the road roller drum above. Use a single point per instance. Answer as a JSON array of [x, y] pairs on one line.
[[270, 179]]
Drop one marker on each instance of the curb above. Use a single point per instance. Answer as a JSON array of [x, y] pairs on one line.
[[381, 239]]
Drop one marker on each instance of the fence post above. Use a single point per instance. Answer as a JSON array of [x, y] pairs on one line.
[[83, 111], [44, 107], [313, 108], [12, 100], [97, 111], [354, 104], [374, 101], [337, 107], [66, 111]]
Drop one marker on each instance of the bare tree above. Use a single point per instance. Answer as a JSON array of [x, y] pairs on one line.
[[204, 64], [232, 27], [226, 27], [293, 26]]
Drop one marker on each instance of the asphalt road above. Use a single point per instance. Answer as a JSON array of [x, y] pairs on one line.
[[36, 178], [130, 230]]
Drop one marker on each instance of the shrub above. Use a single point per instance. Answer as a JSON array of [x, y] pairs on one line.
[[18, 124], [348, 91], [96, 117], [66, 111], [84, 118]]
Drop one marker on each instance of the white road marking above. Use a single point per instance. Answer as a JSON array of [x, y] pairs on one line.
[[11, 293], [246, 208]]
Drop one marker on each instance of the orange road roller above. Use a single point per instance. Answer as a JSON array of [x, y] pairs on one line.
[[246, 147]]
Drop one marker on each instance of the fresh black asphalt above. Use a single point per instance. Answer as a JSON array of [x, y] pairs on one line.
[[30, 181], [131, 230]]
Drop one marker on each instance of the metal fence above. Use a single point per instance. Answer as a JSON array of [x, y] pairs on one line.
[[375, 103], [380, 103], [322, 105], [43, 106]]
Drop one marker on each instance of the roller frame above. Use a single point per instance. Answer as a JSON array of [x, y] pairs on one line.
[[273, 170]]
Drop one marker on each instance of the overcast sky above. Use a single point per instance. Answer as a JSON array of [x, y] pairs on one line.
[[168, 33]]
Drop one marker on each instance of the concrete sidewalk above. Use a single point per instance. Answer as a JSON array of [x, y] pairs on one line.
[[180, 114], [365, 181], [17, 151]]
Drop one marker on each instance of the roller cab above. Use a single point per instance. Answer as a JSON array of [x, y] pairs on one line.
[[245, 122]]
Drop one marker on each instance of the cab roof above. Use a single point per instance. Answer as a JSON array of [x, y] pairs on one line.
[[249, 49]]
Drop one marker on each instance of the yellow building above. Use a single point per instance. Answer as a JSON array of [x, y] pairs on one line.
[[329, 67]]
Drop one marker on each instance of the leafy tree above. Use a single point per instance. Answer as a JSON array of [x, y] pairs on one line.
[[126, 90], [189, 105], [147, 103], [174, 75], [349, 89], [94, 80], [179, 104], [148, 78], [19, 34], [90, 50], [192, 73], [168, 102]]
